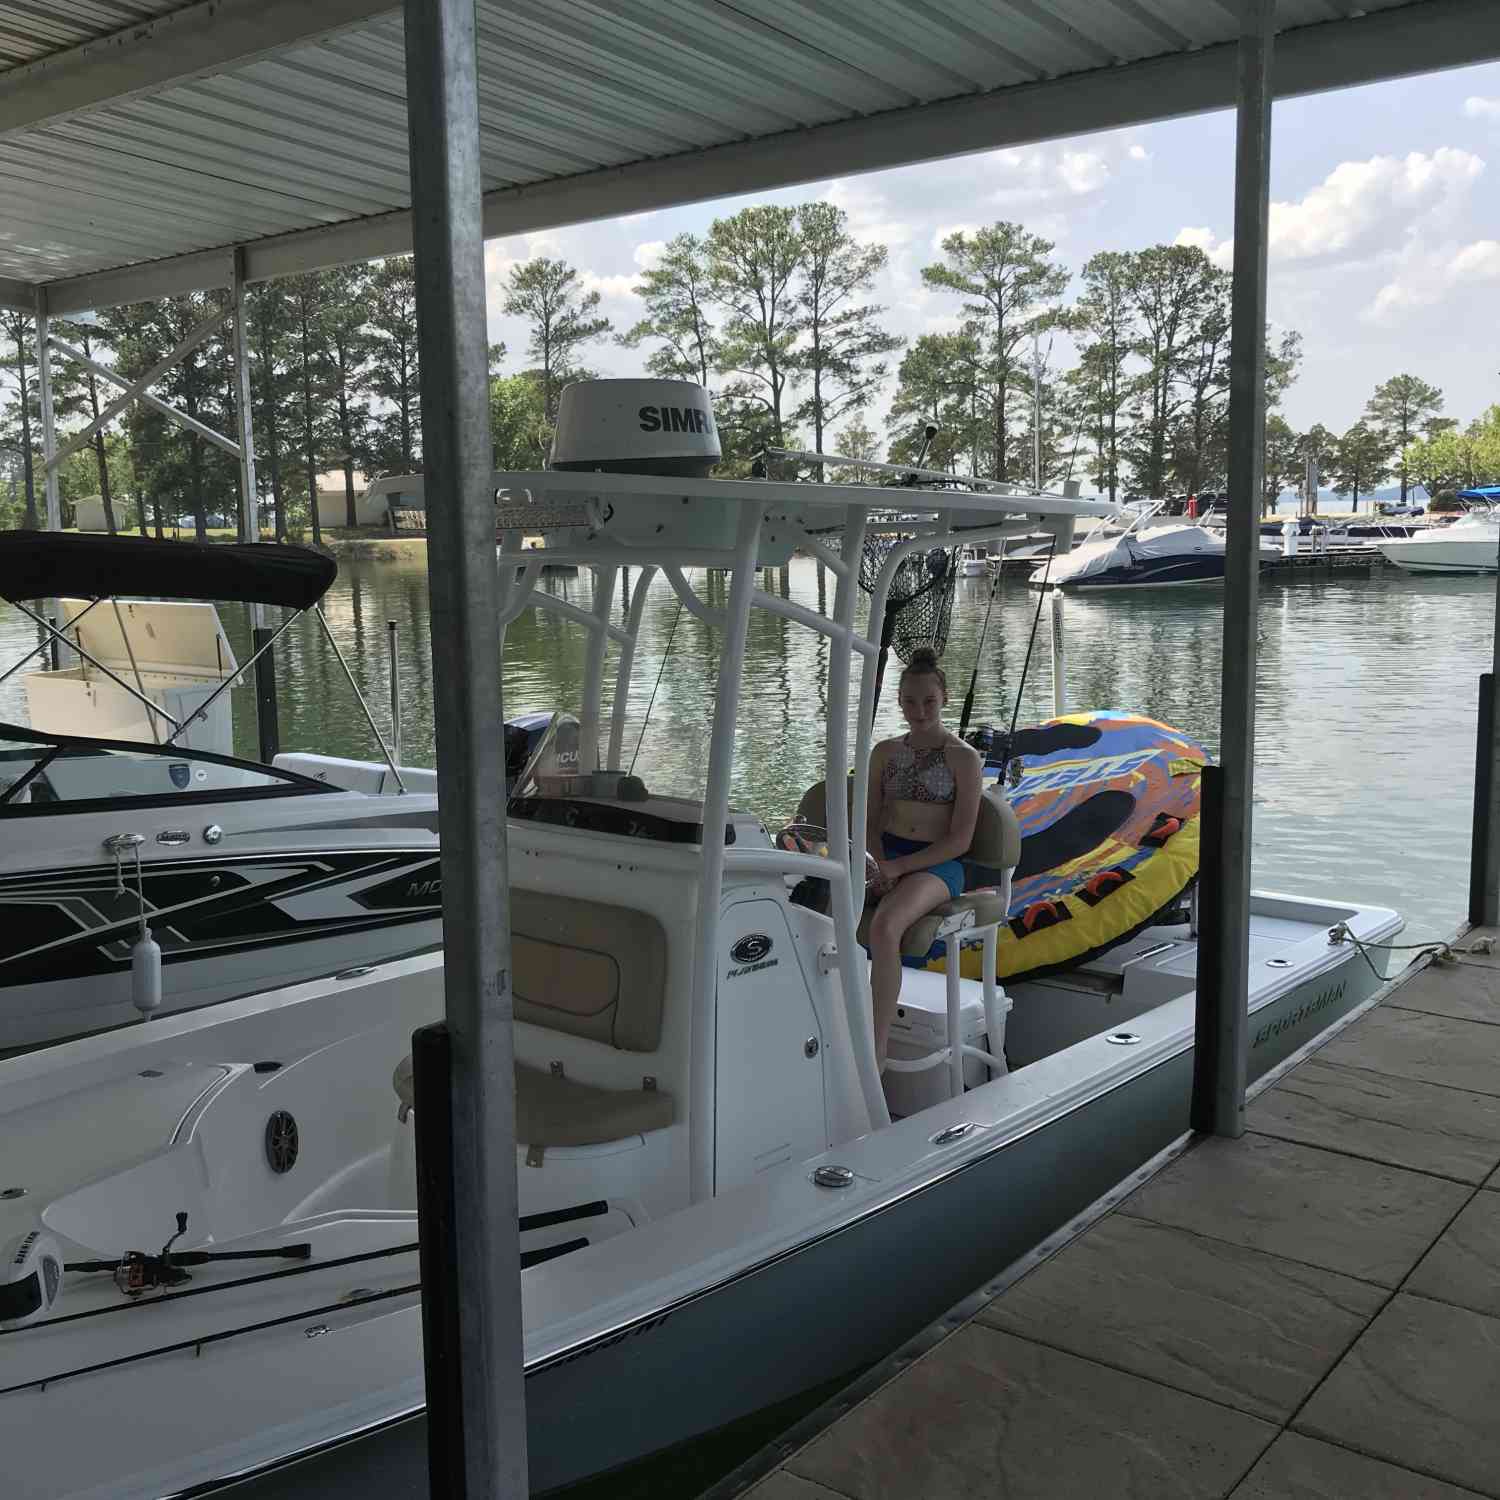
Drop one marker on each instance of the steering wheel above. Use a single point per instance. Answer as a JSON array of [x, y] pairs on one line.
[[808, 838]]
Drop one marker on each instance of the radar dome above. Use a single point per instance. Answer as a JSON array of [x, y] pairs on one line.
[[636, 427]]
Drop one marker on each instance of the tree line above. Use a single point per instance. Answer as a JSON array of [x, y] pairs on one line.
[[772, 309]]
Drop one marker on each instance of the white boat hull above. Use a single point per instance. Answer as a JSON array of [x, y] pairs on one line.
[[795, 1279]]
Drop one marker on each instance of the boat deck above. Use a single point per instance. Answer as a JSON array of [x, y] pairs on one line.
[[1311, 1310]]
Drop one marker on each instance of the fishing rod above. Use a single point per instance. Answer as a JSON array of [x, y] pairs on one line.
[[1036, 620], [963, 719], [659, 671]]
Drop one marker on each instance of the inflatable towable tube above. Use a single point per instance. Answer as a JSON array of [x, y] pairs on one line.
[[1108, 804]]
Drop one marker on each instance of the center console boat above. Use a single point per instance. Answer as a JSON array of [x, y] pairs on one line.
[[211, 1246]]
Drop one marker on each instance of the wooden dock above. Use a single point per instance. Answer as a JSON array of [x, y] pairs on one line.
[[1311, 1311]]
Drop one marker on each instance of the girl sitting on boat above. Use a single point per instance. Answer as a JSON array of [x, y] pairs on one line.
[[924, 800]]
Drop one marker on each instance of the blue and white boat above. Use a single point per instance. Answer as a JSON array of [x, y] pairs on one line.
[[1140, 558]]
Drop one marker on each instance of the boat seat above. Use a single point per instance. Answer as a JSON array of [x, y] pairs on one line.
[[589, 969], [996, 845], [555, 1110]]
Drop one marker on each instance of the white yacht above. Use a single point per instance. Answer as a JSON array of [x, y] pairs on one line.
[[1470, 545], [706, 1155]]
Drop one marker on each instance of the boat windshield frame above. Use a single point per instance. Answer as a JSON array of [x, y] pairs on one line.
[[55, 746], [606, 521]]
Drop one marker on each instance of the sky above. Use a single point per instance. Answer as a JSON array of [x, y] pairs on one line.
[[1384, 250]]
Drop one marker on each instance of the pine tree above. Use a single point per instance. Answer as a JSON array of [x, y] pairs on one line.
[[75, 393], [306, 298], [1171, 290], [754, 258], [393, 444], [843, 341], [271, 387], [937, 385], [562, 317], [1103, 322], [1398, 411], [346, 292], [678, 316], [18, 330], [1007, 278], [1361, 460]]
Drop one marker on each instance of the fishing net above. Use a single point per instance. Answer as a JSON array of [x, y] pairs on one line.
[[919, 607]]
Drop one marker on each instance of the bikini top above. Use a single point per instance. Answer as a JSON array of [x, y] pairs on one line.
[[917, 775]]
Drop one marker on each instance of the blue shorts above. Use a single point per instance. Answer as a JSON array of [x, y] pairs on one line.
[[950, 872]]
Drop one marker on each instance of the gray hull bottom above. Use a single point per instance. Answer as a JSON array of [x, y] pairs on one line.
[[835, 1306]]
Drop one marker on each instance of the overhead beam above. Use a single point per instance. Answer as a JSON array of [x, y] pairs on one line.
[[1423, 37], [170, 49], [18, 296]]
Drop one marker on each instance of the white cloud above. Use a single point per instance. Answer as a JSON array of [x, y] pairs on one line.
[[1138, 152], [1362, 202], [1428, 277], [871, 216], [1476, 108], [608, 287], [944, 230], [648, 252], [1083, 171], [1359, 208]]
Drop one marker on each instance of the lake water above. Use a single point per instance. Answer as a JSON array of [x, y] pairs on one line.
[[1365, 702]]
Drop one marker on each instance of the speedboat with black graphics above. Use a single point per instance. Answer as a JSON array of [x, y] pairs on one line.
[[209, 1227], [1139, 557], [143, 868]]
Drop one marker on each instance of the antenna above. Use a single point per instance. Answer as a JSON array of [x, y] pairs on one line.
[[928, 433]]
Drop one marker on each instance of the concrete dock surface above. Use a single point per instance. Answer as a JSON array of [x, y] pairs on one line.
[[1311, 1311]]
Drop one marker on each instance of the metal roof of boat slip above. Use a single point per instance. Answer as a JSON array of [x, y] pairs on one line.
[[157, 136]]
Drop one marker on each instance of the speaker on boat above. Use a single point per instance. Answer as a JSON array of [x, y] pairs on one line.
[[636, 427], [30, 1278]]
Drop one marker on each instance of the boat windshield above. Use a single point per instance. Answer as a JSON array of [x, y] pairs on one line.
[[45, 770]]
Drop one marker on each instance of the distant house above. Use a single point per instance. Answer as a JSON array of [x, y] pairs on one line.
[[371, 503], [88, 514]]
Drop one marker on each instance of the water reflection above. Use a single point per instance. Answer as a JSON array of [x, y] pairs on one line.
[[1364, 701]]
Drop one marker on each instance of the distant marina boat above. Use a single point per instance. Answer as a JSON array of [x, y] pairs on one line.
[[1162, 557], [1469, 545]]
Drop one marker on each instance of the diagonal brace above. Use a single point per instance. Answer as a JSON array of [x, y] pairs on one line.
[[164, 407], [197, 336]]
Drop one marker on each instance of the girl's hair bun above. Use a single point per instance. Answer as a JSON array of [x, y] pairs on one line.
[[923, 663]]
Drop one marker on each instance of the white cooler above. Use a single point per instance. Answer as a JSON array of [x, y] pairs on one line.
[[921, 1028]]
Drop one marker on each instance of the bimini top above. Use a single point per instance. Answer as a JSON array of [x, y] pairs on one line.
[[53, 565]]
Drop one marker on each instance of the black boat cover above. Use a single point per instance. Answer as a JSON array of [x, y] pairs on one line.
[[55, 565]]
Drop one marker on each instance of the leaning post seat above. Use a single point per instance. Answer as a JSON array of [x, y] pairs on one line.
[[975, 916], [590, 970]]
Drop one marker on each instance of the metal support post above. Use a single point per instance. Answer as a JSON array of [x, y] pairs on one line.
[[1484, 855], [1224, 950], [443, 124], [1209, 1029], [393, 639], [267, 720], [1059, 657], [49, 423], [243, 412]]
